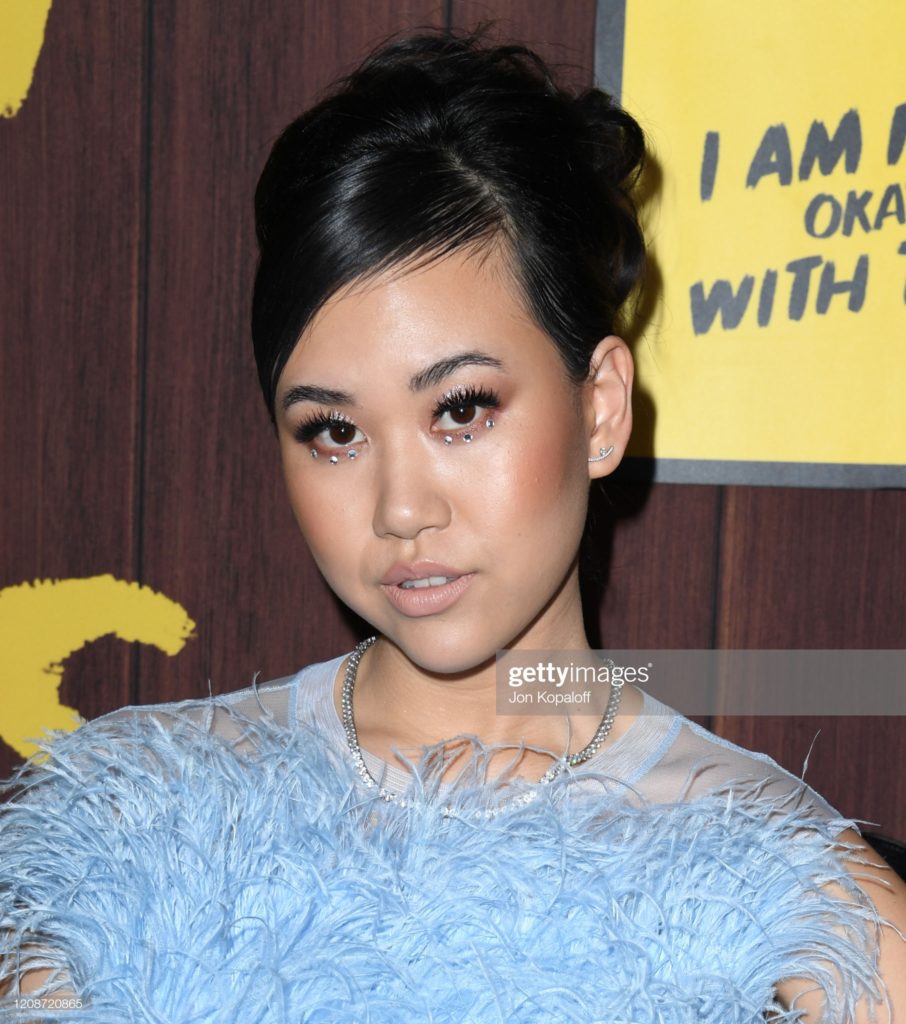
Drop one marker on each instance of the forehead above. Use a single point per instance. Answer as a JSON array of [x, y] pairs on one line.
[[406, 318]]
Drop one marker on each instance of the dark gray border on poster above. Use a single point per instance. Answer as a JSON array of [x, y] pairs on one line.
[[763, 474], [610, 30]]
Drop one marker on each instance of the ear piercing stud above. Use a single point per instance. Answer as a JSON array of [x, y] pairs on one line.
[[602, 454]]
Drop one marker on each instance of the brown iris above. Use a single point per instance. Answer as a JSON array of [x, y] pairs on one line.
[[462, 414], [341, 433]]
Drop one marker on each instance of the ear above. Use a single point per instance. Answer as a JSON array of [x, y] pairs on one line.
[[608, 403]]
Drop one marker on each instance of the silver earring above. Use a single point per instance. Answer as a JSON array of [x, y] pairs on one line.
[[603, 453]]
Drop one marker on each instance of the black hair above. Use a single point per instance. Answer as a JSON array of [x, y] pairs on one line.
[[436, 143]]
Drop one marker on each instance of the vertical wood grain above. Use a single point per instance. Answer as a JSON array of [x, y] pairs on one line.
[[662, 566], [650, 561], [133, 439], [217, 530], [821, 569], [70, 198], [796, 567], [562, 34]]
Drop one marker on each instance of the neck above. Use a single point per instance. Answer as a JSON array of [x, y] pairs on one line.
[[399, 704]]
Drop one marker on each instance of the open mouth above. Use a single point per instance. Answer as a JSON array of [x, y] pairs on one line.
[[427, 595], [427, 581]]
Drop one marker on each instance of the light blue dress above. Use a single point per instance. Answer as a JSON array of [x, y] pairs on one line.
[[221, 861]]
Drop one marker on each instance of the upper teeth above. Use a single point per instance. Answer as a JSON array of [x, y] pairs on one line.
[[429, 581]]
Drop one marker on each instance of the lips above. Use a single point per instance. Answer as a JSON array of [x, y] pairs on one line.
[[430, 587], [404, 572]]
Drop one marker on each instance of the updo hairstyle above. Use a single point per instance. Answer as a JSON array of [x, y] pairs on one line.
[[438, 143]]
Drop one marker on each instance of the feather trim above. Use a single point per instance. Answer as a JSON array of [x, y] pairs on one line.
[[179, 878]]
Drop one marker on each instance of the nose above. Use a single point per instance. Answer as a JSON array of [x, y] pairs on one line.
[[410, 496]]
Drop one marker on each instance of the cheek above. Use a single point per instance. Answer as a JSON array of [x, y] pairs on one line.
[[312, 504], [539, 486], [333, 512]]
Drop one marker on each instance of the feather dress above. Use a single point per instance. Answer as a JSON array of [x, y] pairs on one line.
[[176, 875]]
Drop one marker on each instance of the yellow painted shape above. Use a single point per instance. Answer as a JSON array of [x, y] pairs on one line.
[[42, 623], [22, 24]]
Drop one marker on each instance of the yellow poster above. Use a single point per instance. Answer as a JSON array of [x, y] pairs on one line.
[[776, 349], [22, 25]]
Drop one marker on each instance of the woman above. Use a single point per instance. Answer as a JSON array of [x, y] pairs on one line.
[[446, 241]]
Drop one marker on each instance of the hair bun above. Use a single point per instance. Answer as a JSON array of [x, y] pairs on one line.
[[617, 141], [437, 142]]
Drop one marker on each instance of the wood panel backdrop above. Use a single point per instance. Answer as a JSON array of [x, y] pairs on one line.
[[134, 440]]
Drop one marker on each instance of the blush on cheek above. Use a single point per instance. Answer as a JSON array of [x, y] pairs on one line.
[[542, 497], [551, 471]]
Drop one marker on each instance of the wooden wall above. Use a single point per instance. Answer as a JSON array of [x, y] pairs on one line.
[[133, 439]]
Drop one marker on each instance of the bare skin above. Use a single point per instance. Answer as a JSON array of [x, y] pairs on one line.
[[503, 511], [509, 508]]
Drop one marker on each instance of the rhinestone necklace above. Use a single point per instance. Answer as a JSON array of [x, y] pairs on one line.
[[352, 739]]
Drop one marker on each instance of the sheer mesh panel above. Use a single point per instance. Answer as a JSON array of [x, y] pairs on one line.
[[661, 758]]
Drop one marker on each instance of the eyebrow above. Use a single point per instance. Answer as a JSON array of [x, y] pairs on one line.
[[435, 373], [426, 378], [313, 393]]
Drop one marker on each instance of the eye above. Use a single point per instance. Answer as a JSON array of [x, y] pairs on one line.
[[341, 432], [464, 407], [330, 431]]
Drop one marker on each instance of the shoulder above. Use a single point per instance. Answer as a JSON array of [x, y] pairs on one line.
[[879, 895], [272, 701], [207, 748], [695, 762], [166, 737]]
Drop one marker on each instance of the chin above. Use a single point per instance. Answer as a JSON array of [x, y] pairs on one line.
[[443, 651]]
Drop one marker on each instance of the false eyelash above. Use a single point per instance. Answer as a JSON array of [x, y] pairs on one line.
[[468, 395], [309, 429]]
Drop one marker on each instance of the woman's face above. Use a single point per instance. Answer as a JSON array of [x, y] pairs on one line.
[[454, 528]]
